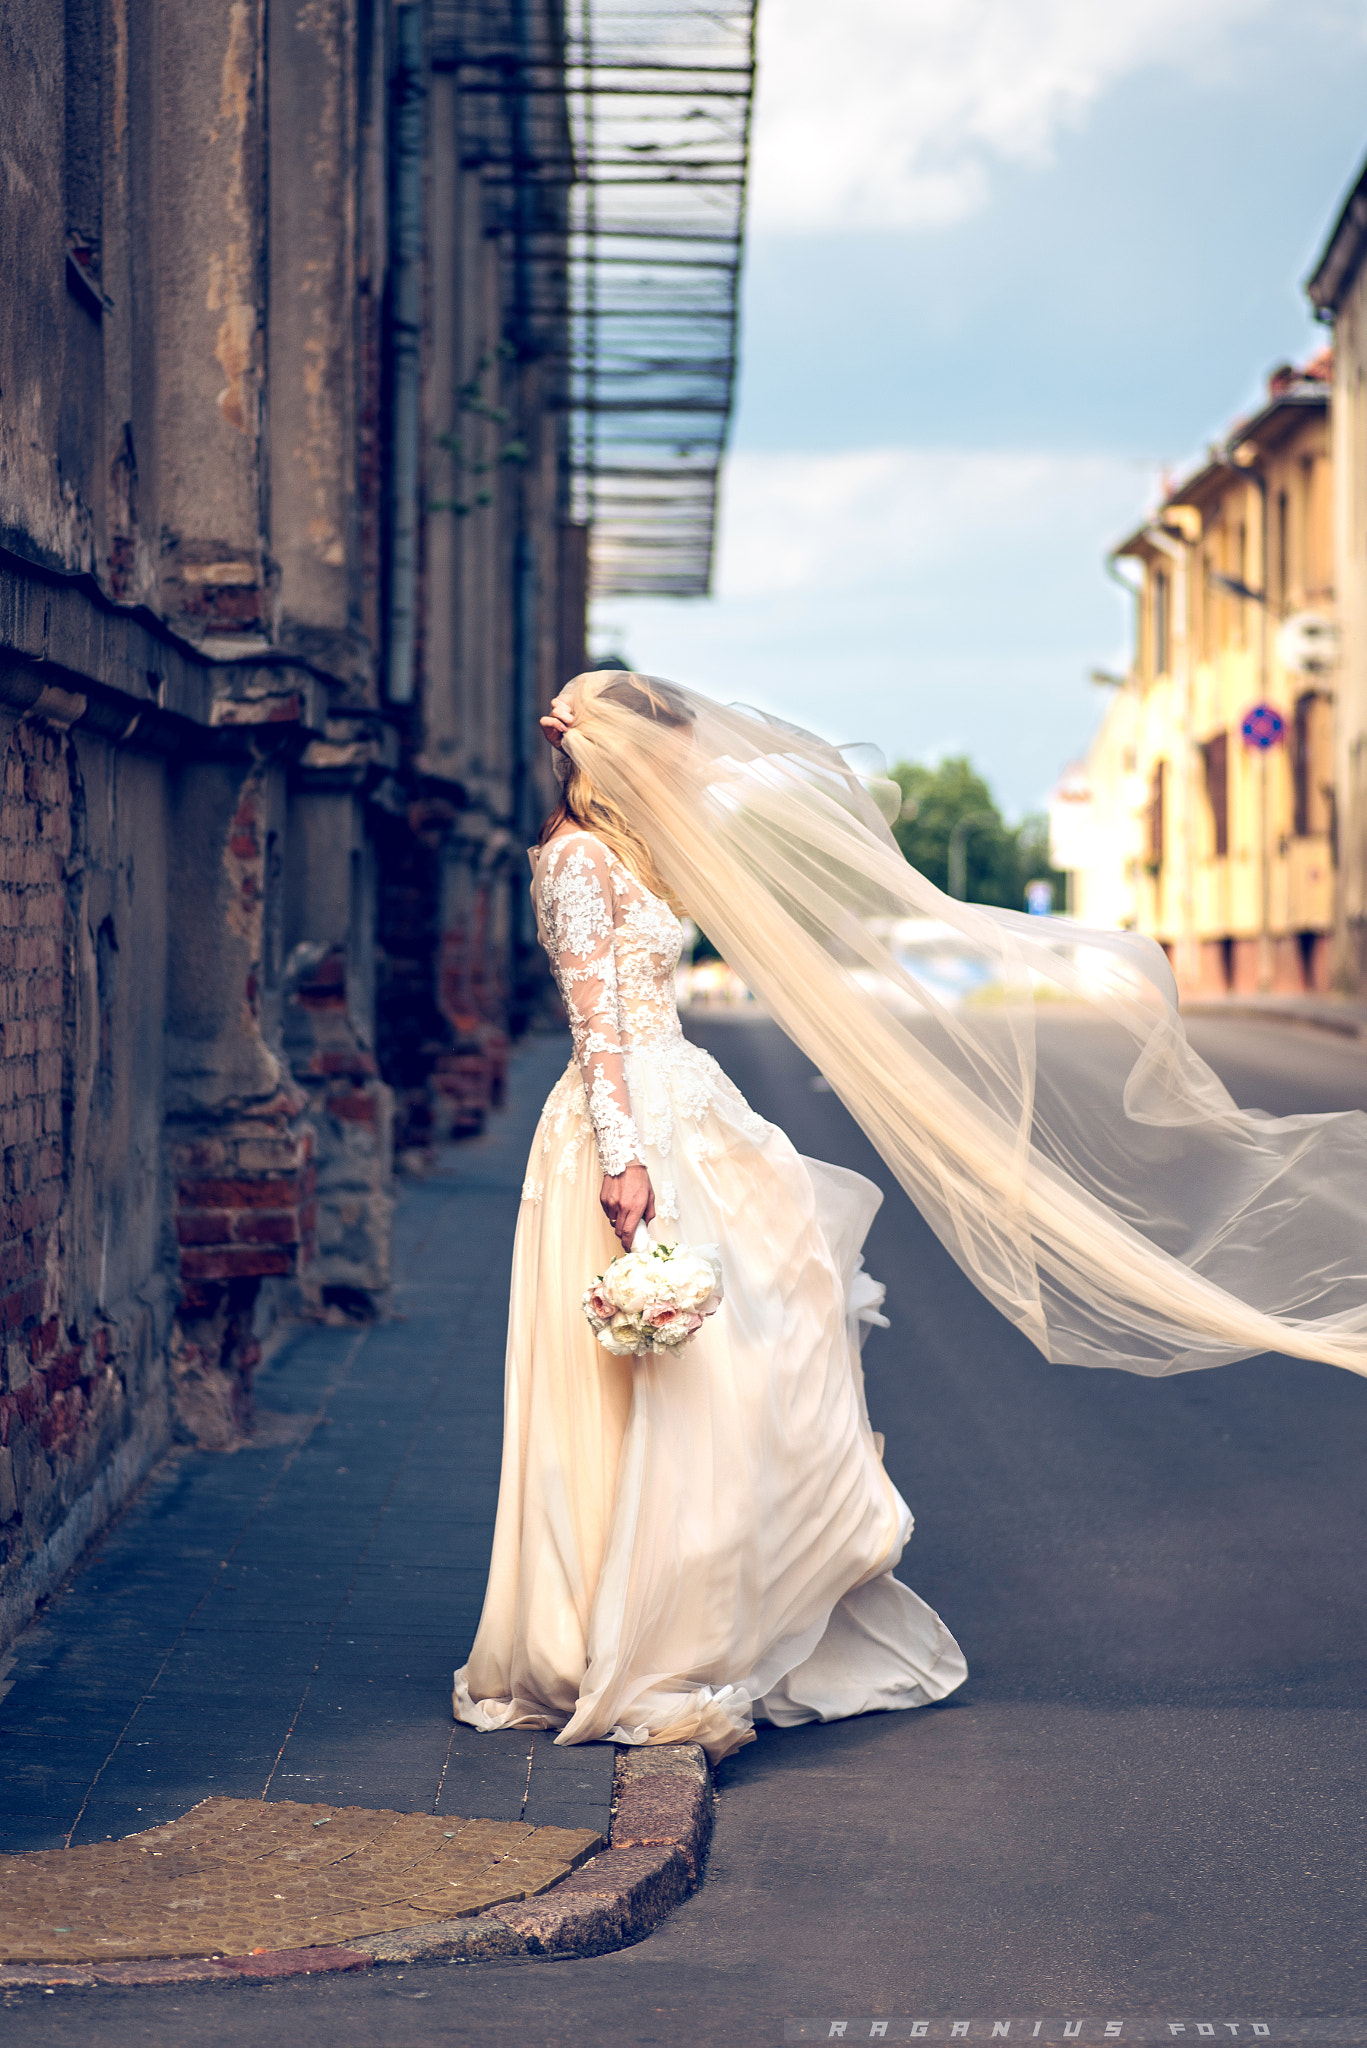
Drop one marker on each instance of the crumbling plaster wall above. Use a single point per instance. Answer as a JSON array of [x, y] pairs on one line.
[[240, 1149], [87, 1295], [247, 904], [329, 1037]]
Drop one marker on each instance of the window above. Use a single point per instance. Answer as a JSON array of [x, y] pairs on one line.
[[1207, 602], [1215, 756], [1162, 623], [1312, 764], [1156, 817], [1283, 582]]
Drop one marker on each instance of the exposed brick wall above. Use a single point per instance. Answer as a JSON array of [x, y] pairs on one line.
[[82, 1405], [443, 1000], [245, 1211], [247, 1227], [245, 1205], [468, 1081], [35, 839], [351, 1110], [411, 1030]]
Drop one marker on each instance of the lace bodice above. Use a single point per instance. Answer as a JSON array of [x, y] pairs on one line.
[[613, 949]]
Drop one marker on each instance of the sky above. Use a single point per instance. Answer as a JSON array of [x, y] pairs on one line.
[[1008, 261]]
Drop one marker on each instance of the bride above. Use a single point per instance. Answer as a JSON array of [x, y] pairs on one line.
[[682, 1544], [687, 1544]]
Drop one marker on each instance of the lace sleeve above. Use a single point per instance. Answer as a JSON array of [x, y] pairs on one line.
[[576, 907]]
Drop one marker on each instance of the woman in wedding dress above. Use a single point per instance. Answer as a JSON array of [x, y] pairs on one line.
[[683, 1544], [686, 1544]]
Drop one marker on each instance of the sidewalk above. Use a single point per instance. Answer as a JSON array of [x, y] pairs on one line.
[[282, 1623], [1345, 1015]]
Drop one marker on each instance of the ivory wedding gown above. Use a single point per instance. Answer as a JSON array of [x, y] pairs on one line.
[[685, 1545]]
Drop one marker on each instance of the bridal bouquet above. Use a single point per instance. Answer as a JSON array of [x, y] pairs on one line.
[[654, 1297]]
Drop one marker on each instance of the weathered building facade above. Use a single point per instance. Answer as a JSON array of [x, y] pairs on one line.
[[288, 568], [1221, 849], [1338, 291]]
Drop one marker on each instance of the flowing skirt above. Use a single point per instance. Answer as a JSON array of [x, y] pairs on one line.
[[687, 1544]]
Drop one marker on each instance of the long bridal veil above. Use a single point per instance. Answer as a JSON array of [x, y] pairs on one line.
[[1028, 1081]]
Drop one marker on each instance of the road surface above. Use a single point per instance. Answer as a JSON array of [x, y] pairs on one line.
[[1148, 1798]]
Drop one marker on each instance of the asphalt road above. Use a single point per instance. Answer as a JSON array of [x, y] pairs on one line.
[[1149, 1797]]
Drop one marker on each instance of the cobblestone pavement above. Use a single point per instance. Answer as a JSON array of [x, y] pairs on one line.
[[283, 1621]]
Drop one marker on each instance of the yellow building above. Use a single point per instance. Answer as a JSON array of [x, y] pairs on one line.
[[1222, 850], [1337, 289]]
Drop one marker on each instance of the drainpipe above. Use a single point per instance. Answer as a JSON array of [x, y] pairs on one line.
[[524, 580], [1135, 592], [404, 338], [1244, 460], [1168, 543], [958, 850]]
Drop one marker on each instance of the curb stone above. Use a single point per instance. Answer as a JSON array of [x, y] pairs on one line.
[[614, 1898], [661, 1828]]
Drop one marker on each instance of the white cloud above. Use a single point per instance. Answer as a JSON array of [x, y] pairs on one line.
[[927, 599], [891, 113], [853, 522]]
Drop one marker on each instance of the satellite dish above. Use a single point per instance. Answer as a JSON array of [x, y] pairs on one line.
[[1307, 643]]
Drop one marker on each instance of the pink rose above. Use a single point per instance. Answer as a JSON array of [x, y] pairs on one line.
[[601, 1305], [664, 1316]]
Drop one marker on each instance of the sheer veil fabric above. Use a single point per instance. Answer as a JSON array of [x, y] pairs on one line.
[[1082, 1164], [685, 1545]]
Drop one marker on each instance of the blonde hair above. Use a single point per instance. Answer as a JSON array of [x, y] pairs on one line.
[[583, 804]]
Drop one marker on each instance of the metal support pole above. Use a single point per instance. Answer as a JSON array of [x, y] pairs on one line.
[[958, 850]]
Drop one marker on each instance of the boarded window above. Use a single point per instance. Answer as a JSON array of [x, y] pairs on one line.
[[1215, 755]]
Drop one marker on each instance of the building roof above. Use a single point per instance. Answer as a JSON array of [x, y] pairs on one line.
[[1291, 389], [1341, 257]]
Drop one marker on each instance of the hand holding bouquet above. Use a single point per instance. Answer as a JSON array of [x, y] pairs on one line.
[[654, 1297]]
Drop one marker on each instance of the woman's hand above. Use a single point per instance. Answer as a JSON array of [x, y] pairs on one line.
[[557, 722], [628, 1199]]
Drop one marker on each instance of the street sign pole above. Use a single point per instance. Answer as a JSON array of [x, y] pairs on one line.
[[1264, 728], [1265, 892]]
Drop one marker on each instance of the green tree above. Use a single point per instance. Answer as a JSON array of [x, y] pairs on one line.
[[1001, 858]]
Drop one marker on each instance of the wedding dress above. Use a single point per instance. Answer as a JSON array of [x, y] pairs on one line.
[[685, 1544]]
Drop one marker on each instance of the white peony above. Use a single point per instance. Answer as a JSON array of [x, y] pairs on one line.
[[622, 1337], [654, 1299], [635, 1280], [694, 1279]]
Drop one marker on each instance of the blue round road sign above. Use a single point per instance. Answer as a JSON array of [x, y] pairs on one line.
[[1263, 727]]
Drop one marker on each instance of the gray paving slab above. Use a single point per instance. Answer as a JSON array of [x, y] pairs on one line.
[[284, 1621]]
